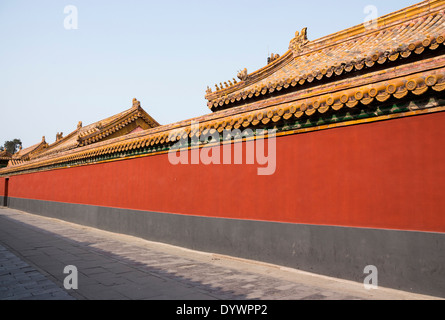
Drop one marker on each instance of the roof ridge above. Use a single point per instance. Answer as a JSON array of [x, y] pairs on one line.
[[384, 22]]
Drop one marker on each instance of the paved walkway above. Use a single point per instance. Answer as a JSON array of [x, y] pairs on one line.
[[34, 251]]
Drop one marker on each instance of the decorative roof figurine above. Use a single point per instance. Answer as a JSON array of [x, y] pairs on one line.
[[242, 75], [272, 58], [136, 103], [99, 125]]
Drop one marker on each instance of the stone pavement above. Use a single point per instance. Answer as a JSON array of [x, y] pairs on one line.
[[34, 251], [19, 280]]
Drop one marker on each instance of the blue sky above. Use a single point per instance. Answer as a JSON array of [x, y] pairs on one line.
[[164, 53]]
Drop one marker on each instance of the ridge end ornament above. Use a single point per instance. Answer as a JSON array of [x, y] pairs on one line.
[[299, 41]]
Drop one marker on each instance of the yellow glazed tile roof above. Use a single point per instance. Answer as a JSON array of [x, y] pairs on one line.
[[5, 155], [27, 153], [398, 36], [85, 135]]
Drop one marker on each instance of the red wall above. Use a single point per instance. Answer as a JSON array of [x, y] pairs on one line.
[[2, 188], [386, 174]]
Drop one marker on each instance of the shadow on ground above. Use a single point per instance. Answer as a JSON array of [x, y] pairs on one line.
[[103, 274]]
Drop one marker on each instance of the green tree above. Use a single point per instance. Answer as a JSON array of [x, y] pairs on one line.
[[13, 146]]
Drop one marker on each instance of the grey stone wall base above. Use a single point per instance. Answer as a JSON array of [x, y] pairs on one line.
[[405, 260]]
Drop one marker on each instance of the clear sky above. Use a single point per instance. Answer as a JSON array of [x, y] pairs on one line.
[[164, 53]]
